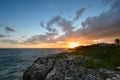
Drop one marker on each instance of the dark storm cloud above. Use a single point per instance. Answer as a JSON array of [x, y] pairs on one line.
[[80, 12], [9, 29]]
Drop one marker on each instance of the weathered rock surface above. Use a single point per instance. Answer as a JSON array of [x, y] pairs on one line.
[[66, 67]]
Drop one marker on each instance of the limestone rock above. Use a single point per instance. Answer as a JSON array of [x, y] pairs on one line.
[[66, 67]]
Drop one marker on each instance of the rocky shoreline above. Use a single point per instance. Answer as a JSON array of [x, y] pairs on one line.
[[64, 66]]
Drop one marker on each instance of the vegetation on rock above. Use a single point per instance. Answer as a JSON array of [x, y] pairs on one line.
[[105, 56]]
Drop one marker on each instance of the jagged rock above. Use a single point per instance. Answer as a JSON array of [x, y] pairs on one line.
[[66, 67]]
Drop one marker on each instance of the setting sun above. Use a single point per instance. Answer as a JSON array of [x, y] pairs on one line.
[[73, 45]]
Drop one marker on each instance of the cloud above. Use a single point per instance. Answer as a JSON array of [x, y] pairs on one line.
[[65, 25], [97, 28], [80, 12], [10, 41], [9, 29], [105, 25], [116, 5], [23, 36], [47, 27], [47, 38], [42, 24], [1, 36]]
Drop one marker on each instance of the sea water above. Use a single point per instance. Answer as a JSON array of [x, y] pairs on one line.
[[13, 62]]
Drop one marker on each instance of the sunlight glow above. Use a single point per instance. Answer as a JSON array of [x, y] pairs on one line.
[[73, 45]]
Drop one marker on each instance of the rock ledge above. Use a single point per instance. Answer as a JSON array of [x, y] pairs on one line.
[[66, 67]]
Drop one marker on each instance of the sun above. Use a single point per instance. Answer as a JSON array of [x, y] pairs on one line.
[[73, 45]]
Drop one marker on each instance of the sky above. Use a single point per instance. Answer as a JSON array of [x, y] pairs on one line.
[[57, 23]]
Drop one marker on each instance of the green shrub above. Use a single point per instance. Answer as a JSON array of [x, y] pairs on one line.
[[89, 63], [108, 54]]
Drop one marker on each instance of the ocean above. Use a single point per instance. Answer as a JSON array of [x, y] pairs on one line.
[[13, 62]]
